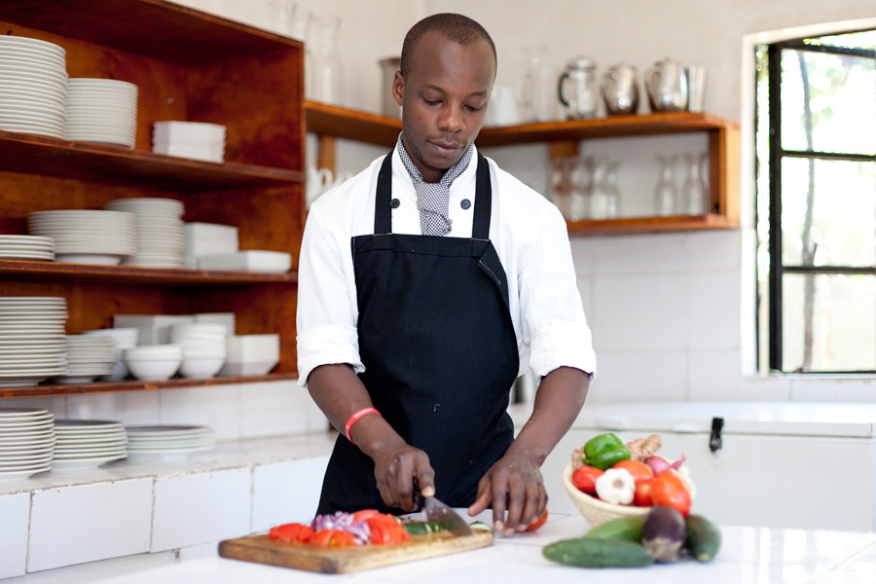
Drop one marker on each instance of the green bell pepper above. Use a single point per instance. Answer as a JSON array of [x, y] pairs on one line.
[[604, 451]]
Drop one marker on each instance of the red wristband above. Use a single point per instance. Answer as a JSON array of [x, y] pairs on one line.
[[355, 418]]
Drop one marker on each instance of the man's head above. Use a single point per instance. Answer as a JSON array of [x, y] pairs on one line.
[[448, 66]]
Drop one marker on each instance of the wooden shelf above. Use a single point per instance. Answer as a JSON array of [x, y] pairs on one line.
[[339, 122], [351, 124], [120, 386], [43, 155], [53, 272], [651, 225]]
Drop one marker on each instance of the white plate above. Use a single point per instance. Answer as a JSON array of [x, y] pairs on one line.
[[83, 463], [24, 416], [18, 475], [25, 129], [37, 90], [88, 451], [93, 259], [25, 456], [25, 463], [166, 430], [150, 455], [41, 300], [27, 43], [13, 56]]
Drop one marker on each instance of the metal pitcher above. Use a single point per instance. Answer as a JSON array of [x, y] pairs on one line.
[[666, 84], [620, 90], [581, 102]]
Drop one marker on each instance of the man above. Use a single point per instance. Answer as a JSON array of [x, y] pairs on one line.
[[427, 284]]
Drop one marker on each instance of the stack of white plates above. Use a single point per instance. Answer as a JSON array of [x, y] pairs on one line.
[[103, 111], [168, 442], [88, 443], [248, 261], [204, 348], [226, 318], [154, 362], [160, 234], [190, 140], [251, 355], [203, 239], [154, 328], [124, 338], [33, 86], [87, 236], [27, 442], [32, 347], [88, 357], [27, 247]]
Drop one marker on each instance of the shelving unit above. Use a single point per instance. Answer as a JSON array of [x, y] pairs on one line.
[[330, 122], [188, 66]]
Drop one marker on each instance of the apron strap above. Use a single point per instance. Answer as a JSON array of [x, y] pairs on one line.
[[480, 228]]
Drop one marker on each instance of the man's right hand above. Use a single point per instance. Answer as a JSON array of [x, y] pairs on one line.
[[397, 468]]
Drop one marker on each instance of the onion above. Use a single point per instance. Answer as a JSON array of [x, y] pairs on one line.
[[657, 464], [343, 521], [677, 464]]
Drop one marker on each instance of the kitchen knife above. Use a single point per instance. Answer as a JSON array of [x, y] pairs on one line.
[[437, 512]]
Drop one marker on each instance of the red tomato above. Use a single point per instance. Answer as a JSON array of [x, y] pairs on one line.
[[322, 537], [385, 529], [365, 514], [291, 532], [640, 471], [585, 479], [642, 498], [539, 522], [667, 489]]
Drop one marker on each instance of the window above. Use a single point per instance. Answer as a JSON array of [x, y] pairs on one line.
[[816, 204]]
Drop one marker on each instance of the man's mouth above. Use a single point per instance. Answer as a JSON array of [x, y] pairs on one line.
[[446, 147]]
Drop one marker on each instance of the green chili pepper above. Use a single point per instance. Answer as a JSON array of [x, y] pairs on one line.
[[604, 451]]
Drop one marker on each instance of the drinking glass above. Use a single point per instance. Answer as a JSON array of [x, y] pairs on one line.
[[613, 201], [327, 68], [694, 191], [666, 193]]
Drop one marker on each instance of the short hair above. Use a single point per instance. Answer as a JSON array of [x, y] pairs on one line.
[[456, 27]]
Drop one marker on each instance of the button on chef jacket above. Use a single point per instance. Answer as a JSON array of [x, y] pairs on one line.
[[527, 231]]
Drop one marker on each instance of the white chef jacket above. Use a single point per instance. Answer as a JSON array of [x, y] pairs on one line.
[[529, 235]]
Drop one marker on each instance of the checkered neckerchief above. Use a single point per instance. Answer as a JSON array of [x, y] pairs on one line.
[[433, 199]]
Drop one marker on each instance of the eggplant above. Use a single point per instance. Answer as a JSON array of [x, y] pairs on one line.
[[664, 534]]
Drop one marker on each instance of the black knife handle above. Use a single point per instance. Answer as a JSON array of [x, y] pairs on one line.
[[419, 500]]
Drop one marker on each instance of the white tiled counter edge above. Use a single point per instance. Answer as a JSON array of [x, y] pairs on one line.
[[65, 518]]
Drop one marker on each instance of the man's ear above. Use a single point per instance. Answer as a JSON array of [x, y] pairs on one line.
[[398, 88]]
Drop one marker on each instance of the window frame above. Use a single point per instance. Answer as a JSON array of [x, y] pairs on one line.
[[777, 154]]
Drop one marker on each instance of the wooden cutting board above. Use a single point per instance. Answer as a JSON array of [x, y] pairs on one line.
[[261, 549]]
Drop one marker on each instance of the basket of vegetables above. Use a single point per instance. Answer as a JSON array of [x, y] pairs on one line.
[[607, 479]]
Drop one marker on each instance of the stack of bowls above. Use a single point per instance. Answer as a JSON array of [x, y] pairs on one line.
[[251, 355], [168, 442], [87, 236], [27, 247], [204, 348], [33, 86], [27, 442], [160, 231], [32, 347], [102, 111], [153, 362], [88, 443], [88, 357], [124, 338]]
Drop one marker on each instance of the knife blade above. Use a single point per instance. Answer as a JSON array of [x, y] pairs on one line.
[[438, 512]]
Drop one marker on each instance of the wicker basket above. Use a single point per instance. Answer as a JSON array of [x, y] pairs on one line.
[[595, 511]]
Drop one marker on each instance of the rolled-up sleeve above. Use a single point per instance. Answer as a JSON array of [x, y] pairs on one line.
[[553, 321], [326, 318]]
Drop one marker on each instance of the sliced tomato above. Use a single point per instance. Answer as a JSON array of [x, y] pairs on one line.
[[291, 532], [541, 521], [639, 470], [365, 514], [322, 537], [342, 539], [386, 530], [585, 478], [667, 489]]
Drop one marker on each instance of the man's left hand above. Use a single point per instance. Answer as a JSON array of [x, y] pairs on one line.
[[515, 478]]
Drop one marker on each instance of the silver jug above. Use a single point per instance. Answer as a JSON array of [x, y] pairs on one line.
[[581, 101], [666, 84], [620, 90]]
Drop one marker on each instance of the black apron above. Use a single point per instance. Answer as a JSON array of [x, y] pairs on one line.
[[439, 349]]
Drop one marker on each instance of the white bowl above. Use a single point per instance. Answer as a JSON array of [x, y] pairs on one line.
[[196, 368], [153, 370]]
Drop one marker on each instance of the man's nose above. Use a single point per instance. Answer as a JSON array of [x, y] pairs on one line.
[[451, 119]]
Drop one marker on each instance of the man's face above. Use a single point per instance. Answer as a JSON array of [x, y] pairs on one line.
[[444, 99]]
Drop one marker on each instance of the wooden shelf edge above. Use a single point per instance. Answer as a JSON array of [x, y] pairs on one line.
[[133, 165], [634, 225], [339, 122], [41, 271], [350, 124], [123, 386]]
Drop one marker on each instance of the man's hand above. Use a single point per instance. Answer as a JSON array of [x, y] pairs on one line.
[[514, 477], [397, 468]]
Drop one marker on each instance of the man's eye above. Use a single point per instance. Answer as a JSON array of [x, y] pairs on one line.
[[473, 108], [432, 102]]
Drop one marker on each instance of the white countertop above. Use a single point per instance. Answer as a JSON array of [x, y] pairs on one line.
[[747, 555]]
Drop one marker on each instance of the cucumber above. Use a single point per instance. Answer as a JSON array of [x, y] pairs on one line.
[[598, 553], [703, 537], [419, 527], [625, 528]]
